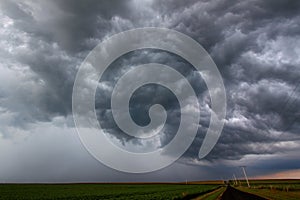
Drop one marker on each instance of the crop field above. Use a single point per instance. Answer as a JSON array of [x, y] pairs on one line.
[[275, 189], [102, 191], [267, 189]]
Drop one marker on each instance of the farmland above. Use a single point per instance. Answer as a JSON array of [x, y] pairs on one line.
[[275, 189], [210, 190], [102, 191]]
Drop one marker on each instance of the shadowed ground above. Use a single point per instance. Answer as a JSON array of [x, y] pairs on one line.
[[234, 194]]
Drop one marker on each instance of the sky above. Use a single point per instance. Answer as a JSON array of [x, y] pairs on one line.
[[255, 45]]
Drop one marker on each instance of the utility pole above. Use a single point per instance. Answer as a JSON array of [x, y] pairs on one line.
[[244, 171], [234, 177]]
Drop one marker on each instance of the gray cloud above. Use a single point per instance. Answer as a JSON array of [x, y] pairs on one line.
[[255, 45]]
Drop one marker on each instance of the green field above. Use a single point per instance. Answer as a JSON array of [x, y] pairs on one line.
[[270, 189], [102, 191], [275, 189], [212, 195]]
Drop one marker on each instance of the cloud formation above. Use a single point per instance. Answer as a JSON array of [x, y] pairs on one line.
[[255, 44]]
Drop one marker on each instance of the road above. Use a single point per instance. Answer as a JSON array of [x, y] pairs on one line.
[[234, 194]]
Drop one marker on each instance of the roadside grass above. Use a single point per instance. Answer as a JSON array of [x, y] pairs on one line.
[[276, 189], [212, 195], [282, 185], [273, 194]]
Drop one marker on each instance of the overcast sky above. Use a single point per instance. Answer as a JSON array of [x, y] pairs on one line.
[[255, 45]]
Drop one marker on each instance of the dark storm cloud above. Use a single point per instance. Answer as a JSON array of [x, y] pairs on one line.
[[255, 45], [70, 24], [248, 42], [85, 20], [50, 33]]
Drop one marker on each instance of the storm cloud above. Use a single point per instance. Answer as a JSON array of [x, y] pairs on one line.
[[255, 45]]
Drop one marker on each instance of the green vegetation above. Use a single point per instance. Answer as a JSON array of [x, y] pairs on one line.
[[275, 189], [276, 184], [270, 189], [273, 194], [100, 191], [212, 195]]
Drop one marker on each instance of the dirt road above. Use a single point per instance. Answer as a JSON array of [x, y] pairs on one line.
[[234, 194]]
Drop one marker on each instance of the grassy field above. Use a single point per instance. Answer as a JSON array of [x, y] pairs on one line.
[[276, 183], [212, 195], [101, 191], [275, 189], [274, 194], [270, 189]]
